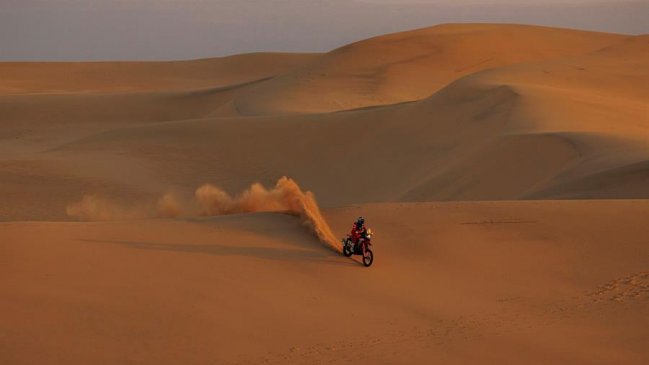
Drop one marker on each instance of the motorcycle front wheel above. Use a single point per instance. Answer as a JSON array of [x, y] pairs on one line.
[[368, 257], [347, 249]]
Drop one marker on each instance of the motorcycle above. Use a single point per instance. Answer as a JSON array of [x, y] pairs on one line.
[[362, 249]]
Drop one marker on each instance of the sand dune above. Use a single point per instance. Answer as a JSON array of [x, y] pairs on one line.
[[411, 66], [382, 127], [554, 108], [534, 282], [69, 77]]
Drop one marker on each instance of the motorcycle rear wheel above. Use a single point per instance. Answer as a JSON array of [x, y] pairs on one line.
[[368, 257]]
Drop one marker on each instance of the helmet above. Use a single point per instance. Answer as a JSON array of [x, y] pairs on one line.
[[360, 221]]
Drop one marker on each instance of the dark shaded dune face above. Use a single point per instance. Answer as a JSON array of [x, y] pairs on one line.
[[500, 170], [81, 110], [624, 182]]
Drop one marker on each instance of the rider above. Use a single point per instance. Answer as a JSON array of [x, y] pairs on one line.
[[359, 231]]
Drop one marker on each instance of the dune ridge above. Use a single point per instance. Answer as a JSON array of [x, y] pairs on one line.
[[24, 78]]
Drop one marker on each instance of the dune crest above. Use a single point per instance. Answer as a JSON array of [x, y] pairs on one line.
[[97, 208], [209, 200]]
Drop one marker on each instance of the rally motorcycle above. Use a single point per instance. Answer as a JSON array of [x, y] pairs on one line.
[[363, 248]]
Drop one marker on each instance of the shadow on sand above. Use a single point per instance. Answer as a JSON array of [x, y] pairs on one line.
[[322, 255]]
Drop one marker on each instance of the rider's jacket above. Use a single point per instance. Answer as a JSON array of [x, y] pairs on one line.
[[357, 233]]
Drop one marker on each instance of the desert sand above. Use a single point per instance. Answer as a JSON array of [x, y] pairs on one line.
[[505, 169]]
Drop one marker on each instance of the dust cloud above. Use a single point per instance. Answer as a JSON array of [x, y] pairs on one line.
[[209, 200]]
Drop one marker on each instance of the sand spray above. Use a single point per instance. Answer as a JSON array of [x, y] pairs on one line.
[[209, 200]]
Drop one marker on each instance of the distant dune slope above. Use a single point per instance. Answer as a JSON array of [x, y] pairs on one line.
[[411, 65], [593, 107], [550, 113], [70, 77]]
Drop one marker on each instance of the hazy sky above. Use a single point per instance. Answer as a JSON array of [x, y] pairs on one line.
[[181, 29]]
